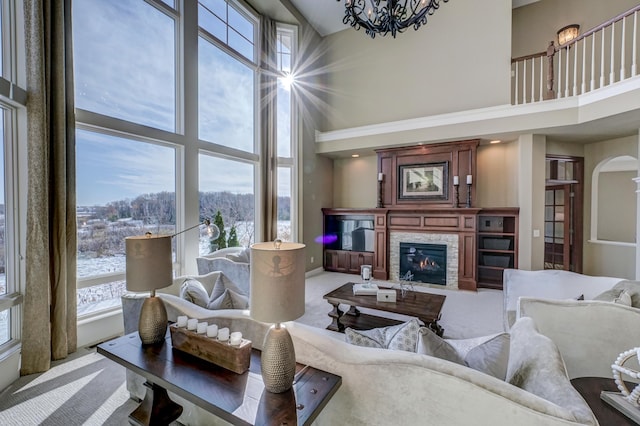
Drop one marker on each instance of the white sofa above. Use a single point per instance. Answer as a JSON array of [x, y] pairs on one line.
[[549, 284], [382, 387], [221, 260]]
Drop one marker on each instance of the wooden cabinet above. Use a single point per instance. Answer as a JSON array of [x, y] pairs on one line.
[[497, 245], [346, 261], [349, 239]]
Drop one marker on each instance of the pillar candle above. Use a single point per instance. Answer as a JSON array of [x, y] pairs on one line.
[[468, 179], [192, 324], [202, 327], [223, 334], [456, 180], [235, 338], [380, 177], [182, 321], [212, 330]]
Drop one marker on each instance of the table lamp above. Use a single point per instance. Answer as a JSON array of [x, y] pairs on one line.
[[149, 267], [277, 295]]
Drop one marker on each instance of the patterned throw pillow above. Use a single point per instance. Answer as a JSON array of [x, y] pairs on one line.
[[401, 337], [194, 292], [223, 283]]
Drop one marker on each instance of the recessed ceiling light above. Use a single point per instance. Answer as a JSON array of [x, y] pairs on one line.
[[355, 155], [495, 141]]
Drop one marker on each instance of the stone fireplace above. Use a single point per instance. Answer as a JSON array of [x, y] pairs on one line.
[[404, 245]]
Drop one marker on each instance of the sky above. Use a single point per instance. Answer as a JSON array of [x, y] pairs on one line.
[[124, 66]]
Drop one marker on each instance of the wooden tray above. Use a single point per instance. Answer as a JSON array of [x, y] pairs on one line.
[[233, 358]]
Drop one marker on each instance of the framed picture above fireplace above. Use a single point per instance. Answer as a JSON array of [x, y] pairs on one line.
[[423, 181]]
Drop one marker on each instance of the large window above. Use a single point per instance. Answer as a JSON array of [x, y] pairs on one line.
[[166, 112]]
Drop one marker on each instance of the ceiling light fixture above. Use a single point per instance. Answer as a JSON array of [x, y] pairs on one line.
[[388, 16]]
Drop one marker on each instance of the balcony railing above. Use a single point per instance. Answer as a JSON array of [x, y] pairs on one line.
[[600, 57]]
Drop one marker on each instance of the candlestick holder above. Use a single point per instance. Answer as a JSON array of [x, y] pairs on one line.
[[380, 189], [457, 188], [468, 195]]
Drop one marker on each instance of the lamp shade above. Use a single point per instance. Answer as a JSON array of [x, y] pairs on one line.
[[277, 281], [149, 265]]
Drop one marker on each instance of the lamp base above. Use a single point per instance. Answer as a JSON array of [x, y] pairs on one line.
[[152, 326], [278, 360]]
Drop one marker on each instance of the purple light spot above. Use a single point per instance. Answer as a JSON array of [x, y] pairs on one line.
[[326, 239]]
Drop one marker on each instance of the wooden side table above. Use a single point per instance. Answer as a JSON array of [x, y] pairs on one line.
[[590, 388], [238, 398]]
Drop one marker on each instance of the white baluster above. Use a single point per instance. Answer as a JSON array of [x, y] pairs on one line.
[[517, 84], [602, 60], [612, 74], [622, 50], [533, 80], [634, 67], [575, 69], [583, 86], [559, 95], [592, 84], [524, 81], [541, 81], [566, 76]]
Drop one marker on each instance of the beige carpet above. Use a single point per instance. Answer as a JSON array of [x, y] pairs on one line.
[[464, 313]]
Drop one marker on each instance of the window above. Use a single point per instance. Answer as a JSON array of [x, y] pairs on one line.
[[232, 196], [125, 188], [166, 113]]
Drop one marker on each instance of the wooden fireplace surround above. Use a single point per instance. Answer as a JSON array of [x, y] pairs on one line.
[[447, 214]]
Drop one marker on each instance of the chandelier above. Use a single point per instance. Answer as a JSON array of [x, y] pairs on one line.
[[388, 16]]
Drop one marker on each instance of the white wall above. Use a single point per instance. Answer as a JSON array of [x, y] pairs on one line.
[[460, 60]]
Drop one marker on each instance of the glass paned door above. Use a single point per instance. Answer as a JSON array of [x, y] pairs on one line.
[[557, 227]]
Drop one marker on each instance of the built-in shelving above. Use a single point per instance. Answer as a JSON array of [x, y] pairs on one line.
[[497, 245]]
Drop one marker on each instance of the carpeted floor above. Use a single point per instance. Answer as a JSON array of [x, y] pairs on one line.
[[88, 389]]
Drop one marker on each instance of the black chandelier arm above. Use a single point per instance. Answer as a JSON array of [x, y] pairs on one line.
[[388, 16]]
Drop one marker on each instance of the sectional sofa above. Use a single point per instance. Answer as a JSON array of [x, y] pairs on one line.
[[382, 387]]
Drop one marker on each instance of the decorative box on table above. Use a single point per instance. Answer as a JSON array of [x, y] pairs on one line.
[[233, 358]]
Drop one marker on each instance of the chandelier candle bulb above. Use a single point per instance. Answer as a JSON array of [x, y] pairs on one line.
[[192, 324], [202, 327], [456, 180], [223, 334], [212, 330], [469, 179], [182, 321]]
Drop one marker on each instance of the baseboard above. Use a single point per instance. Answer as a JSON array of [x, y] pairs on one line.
[[314, 272]]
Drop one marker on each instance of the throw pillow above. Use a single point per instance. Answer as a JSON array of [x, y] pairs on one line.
[[243, 256], [615, 295], [536, 366], [229, 299], [491, 357], [193, 291], [633, 288], [429, 343], [223, 283], [401, 337]]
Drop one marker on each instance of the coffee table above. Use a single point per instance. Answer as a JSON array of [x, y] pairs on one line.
[[237, 398], [424, 306]]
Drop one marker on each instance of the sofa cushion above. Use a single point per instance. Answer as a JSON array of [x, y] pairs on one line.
[[633, 288], [429, 343], [223, 283], [229, 299], [193, 291], [615, 295], [402, 337], [243, 256], [491, 357], [536, 366]]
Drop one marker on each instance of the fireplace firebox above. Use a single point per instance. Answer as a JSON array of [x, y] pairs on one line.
[[425, 263]]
